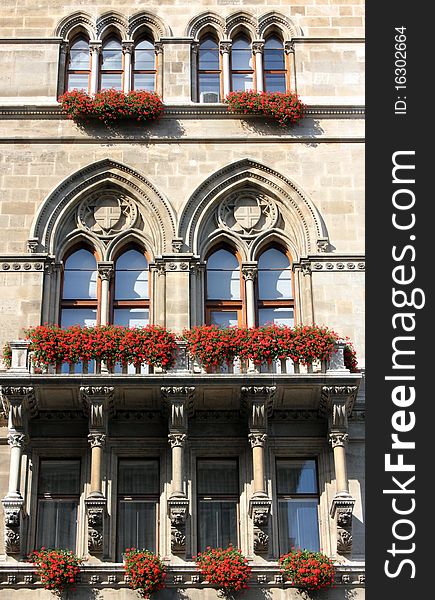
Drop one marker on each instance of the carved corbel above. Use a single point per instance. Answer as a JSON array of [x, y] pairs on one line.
[[15, 400], [97, 402], [258, 402], [259, 511], [13, 510], [96, 513], [179, 402], [178, 509]]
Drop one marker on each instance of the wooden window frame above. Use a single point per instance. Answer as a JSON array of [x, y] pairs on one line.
[[285, 71], [102, 71], [218, 305], [245, 71], [141, 71], [126, 303], [69, 71], [259, 303], [218, 72]]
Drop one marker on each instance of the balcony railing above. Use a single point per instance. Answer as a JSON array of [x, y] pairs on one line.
[[22, 362]]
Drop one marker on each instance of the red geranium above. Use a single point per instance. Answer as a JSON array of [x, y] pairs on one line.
[[145, 570], [227, 569], [57, 568], [284, 107], [308, 570]]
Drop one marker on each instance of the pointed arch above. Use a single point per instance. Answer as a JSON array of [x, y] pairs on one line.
[[299, 218], [274, 20], [54, 219], [77, 22], [241, 19], [145, 20], [111, 21], [205, 21]]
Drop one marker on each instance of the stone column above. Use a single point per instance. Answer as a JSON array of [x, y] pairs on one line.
[[158, 47], [257, 401], [63, 58], [289, 49], [127, 50], [179, 401], [105, 272], [95, 50], [159, 295], [225, 49], [98, 401], [194, 71], [258, 49], [249, 272]]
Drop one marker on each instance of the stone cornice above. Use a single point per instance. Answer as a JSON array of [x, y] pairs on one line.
[[326, 262]]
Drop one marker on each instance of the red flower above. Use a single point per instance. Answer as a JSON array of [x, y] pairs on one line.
[[308, 570], [227, 569], [146, 571], [57, 568]]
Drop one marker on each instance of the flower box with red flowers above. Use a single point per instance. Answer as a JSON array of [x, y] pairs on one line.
[[111, 106], [57, 568], [308, 570], [284, 107], [224, 568], [146, 572]]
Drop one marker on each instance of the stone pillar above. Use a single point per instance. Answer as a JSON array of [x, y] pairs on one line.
[[95, 50], [127, 50], [336, 403], [257, 401], [249, 272], [179, 401], [158, 306], [225, 49], [258, 49], [177, 267], [98, 401], [158, 47], [304, 291], [105, 272], [63, 59], [289, 49], [194, 71]]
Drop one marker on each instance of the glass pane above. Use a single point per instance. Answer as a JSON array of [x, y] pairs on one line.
[[223, 285], [222, 259], [111, 80], [276, 82], [224, 318], [136, 526], [132, 260], [82, 260], [131, 317], [296, 477], [217, 524], [274, 59], [298, 527], [209, 84], [76, 81], [218, 477], [59, 477], [79, 58], [209, 58], [86, 317], [56, 524], [275, 285], [241, 55], [131, 285], [144, 57], [242, 82], [273, 259], [112, 55], [144, 81], [276, 316], [79, 285], [138, 477]]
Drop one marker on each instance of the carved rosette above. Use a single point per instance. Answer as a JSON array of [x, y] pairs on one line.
[[259, 510], [247, 213], [342, 510], [178, 509], [12, 518], [95, 510]]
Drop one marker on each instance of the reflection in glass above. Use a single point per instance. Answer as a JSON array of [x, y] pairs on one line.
[[86, 317], [223, 276], [274, 276], [298, 527], [276, 316], [223, 318], [131, 276], [80, 276], [131, 317]]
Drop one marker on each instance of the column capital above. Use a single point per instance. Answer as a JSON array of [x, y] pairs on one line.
[[289, 47], [15, 399], [225, 46], [258, 46], [18, 440], [177, 440], [95, 46], [249, 271], [257, 439], [105, 270], [97, 440], [158, 47], [127, 46], [338, 438]]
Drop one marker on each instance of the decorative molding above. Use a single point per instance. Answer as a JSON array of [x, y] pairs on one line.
[[177, 440], [18, 440], [27, 264], [97, 440], [107, 213], [105, 270], [259, 510], [95, 511], [178, 509], [257, 439], [247, 213], [12, 509], [338, 439]]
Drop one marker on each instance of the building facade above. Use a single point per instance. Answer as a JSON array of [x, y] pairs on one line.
[[201, 217]]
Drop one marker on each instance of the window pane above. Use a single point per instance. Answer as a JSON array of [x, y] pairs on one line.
[[276, 316], [132, 260], [144, 57], [112, 55], [273, 259], [59, 477], [274, 59], [144, 81], [86, 317], [209, 84], [223, 285], [242, 82], [131, 317], [217, 524], [81, 260], [274, 285], [222, 259], [298, 526], [275, 82], [76, 81], [79, 285], [136, 526], [56, 524], [241, 55], [131, 285], [296, 477], [209, 57], [138, 477], [111, 80], [79, 58], [224, 318], [218, 477]]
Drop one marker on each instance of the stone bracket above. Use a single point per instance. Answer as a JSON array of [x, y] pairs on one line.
[[96, 513], [178, 509], [259, 510], [341, 510], [13, 512]]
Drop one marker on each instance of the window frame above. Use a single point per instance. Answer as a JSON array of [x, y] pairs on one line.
[[251, 71], [286, 70], [200, 72], [283, 303], [134, 71], [101, 71], [219, 305], [68, 71]]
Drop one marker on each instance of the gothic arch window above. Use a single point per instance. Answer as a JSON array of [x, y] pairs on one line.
[[242, 70], [209, 69], [131, 305], [224, 300], [274, 65], [79, 65], [79, 300], [275, 298], [144, 65], [112, 71]]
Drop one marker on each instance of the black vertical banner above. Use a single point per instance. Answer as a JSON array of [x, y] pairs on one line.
[[400, 327]]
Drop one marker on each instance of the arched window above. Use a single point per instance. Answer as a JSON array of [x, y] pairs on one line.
[[79, 68], [111, 64], [79, 302], [144, 66], [275, 303], [224, 299], [131, 290], [274, 65], [209, 70], [242, 72]]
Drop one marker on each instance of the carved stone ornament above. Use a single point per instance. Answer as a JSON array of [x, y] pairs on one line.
[[257, 439], [178, 541], [95, 510], [259, 510], [261, 541], [344, 517], [17, 440], [260, 515], [177, 439], [97, 440], [12, 521], [344, 541], [247, 213], [178, 509], [338, 439], [107, 213]]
